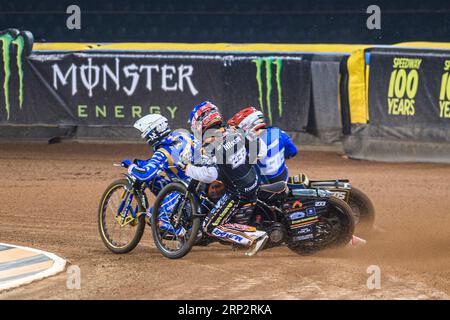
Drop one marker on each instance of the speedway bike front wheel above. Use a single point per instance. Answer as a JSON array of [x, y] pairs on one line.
[[121, 223], [174, 222]]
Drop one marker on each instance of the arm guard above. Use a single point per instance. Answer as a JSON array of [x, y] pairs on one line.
[[149, 169]]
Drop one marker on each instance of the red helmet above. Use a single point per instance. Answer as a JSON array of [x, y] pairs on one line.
[[204, 116], [249, 119]]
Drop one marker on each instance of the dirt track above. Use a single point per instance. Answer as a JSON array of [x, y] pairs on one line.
[[49, 196]]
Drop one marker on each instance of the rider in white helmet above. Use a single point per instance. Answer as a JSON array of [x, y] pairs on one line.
[[169, 149]]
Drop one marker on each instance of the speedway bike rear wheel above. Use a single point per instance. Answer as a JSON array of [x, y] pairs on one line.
[[175, 207], [363, 211], [334, 229], [121, 223]]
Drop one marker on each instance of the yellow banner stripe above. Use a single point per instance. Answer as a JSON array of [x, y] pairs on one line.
[[198, 47]]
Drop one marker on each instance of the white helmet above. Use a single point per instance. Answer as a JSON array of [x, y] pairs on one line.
[[153, 127]]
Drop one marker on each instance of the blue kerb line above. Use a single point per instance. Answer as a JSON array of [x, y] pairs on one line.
[[23, 262], [3, 248], [24, 275]]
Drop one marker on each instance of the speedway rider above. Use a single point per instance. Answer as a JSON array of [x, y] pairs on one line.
[[226, 158], [168, 147], [279, 145]]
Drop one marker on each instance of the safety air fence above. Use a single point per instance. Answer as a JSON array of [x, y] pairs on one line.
[[383, 103]]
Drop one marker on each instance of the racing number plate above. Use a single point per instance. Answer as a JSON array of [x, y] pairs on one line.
[[340, 194]]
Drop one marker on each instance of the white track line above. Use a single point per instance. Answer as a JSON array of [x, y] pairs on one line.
[[58, 266]]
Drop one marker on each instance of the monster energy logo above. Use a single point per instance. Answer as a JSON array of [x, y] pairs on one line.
[[7, 40], [267, 63]]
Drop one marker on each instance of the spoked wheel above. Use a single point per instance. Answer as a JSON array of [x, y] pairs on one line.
[[174, 227], [119, 222], [335, 228], [363, 211]]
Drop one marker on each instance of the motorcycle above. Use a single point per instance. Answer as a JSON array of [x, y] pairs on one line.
[[304, 220], [124, 208], [361, 205]]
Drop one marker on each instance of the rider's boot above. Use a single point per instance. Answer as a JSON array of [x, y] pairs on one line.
[[260, 241]]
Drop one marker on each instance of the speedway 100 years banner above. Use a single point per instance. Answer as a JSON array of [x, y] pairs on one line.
[[116, 88], [409, 88]]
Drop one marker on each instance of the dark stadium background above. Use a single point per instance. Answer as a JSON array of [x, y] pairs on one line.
[[286, 21]]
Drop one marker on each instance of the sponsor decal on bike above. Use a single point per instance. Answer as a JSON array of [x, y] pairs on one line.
[[311, 212], [297, 204], [342, 195], [304, 230], [320, 203], [267, 63], [303, 222], [228, 235], [297, 215], [304, 237], [292, 207]]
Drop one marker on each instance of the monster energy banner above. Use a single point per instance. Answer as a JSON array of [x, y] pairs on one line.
[[101, 93], [115, 89]]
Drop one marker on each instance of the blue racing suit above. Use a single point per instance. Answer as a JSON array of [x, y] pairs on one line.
[[161, 169], [165, 157], [280, 147]]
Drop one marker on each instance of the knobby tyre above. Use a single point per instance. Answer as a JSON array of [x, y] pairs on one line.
[[190, 222], [107, 219]]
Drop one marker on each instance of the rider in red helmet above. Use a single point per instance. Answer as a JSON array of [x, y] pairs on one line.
[[279, 145], [250, 119]]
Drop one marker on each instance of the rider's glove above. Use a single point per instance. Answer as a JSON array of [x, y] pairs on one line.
[[185, 159], [126, 163]]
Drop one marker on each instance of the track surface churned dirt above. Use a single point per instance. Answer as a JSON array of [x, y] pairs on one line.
[[49, 196]]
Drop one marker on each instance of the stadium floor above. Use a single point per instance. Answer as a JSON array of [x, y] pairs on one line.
[[50, 194]]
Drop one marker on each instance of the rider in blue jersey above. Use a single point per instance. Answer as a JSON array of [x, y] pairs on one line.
[[169, 149], [280, 147]]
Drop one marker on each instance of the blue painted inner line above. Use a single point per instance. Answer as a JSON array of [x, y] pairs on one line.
[[3, 280], [23, 262], [2, 248]]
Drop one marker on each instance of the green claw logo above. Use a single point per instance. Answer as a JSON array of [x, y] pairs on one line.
[[267, 63], [7, 40]]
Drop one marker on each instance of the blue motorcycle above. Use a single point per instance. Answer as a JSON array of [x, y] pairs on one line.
[[125, 209]]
